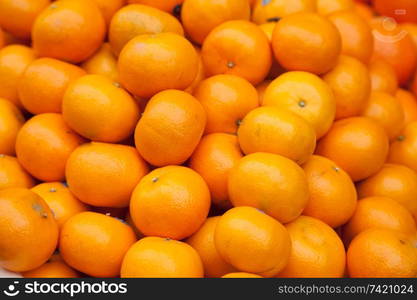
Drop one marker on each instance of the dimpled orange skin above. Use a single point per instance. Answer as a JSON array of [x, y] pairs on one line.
[[61, 201], [383, 76], [11, 120], [326, 7], [379, 212], [44, 144], [99, 109], [409, 104], [241, 275], [306, 95], [387, 111], [261, 88], [155, 257], [252, 241], [396, 46], [317, 42], [356, 34], [13, 61], [269, 129], [17, 17], [28, 231], [103, 174], [214, 157], [316, 250], [389, 8], [133, 20], [201, 74], [411, 28], [332, 193], [403, 149], [203, 242], [238, 48], [364, 140], [53, 268], [170, 128], [165, 5], [200, 16], [226, 99], [103, 62], [95, 244], [109, 7], [393, 181], [382, 253], [351, 84], [43, 84], [269, 182], [12, 174], [81, 24], [163, 61], [176, 196], [263, 11]]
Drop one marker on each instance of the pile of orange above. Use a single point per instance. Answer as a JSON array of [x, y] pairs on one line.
[[199, 138]]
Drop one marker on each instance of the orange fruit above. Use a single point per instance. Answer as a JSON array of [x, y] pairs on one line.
[[379, 212], [199, 17], [241, 275], [109, 7], [382, 253], [351, 84], [383, 77], [387, 111], [214, 157], [401, 10], [13, 61], [411, 28], [306, 95], [99, 109], [203, 242], [176, 196], [276, 69], [81, 24], [261, 88], [409, 104], [269, 129], [2, 38], [252, 241], [95, 244], [365, 142], [61, 201], [201, 74], [356, 34], [395, 45], [316, 250], [237, 48], [393, 181], [161, 258], [226, 99], [43, 84], [11, 120], [103, 174], [413, 86], [316, 39], [133, 20], [103, 62], [269, 182], [53, 268], [163, 61], [403, 149], [332, 192], [326, 7], [165, 5], [43, 146], [28, 231], [267, 11], [12, 175], [17, 17], [364, 10], [172, 120]]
